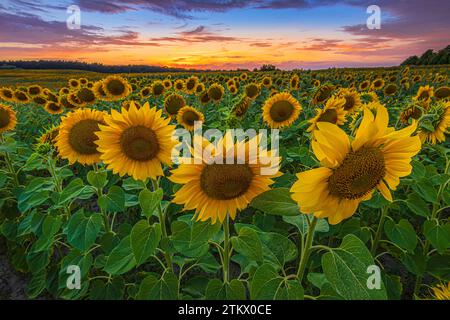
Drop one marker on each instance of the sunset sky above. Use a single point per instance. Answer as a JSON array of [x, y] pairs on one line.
[[224, 34]]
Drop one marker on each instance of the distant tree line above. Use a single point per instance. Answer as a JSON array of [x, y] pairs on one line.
[[95, 67], [430, 57]]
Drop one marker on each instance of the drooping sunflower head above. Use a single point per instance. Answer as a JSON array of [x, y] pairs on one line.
[[8, 118], [252, 91], [187, 116], [115, 88], [442, 93], [281, 110], [86, 95], [7, 94], [53, 107], [215, 92], [441, 291], [352, 170], [158, 88], [63, 101], [173, 103], [21, 96], [424, 94], [294, 83], [435, 125], [410, 112], [49, 136], [352, 99], [76, 138], [322, 94], [204, 97], [333, 112], [215, 189], [242, 106], [136, 142], [191, 83], [390, 89]]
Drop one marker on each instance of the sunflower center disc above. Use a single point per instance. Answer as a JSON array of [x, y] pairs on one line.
[[82, 136], [116, 87], [215, 93], [139, 143], [4, 118], [359, 173], [349, 103], [281, 111], [226, 181], [328, 116], [190, 117]]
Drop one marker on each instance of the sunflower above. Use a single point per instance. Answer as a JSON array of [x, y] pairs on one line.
[[157, 88], [231, 83], [204, 97], [21, 96], [368, 97], [76, 137], [281, 110], [352, 169], [63, 101], [410, 112], [333, 112], [35, 90], [136, 142], [216, 190], [233, 90], [49, 136], [243, 76], [294, 82], [98, 90], [73, 99], [167, 84], [363, 86], [83, 81], [377, 84], [434, 130], [252, 91], [179, 85], [322, 94], [7, 94], [241, 107], [352, 99], [199, 88], [191, 83], [115, 88], [390, 89], [53, 107], [215, 92], [8, 118], [424, 94], [188, 115], [267, 82], [173, 103], [50, 96], [74, 84], [40, 100], [126, 104], [416, 78], [63, 91], [442, 93], [145, 92], [442, 292], [86, 96]]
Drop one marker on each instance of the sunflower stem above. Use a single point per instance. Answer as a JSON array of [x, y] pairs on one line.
[[162, 221], [226, 250], [379, 231], [10, 165], [306, 250], [108, 226]]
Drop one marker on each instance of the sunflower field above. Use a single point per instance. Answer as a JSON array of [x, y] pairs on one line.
[[92, 205]]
